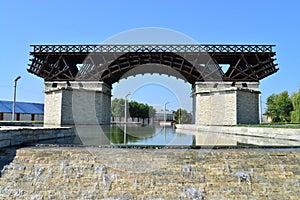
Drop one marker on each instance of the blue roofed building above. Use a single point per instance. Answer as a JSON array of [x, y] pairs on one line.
[[25, 111]]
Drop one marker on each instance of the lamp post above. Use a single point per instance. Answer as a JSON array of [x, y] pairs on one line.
[[165, 121], [125, 117], [260, 108], [165, 113], [125, 112], [14, 102]]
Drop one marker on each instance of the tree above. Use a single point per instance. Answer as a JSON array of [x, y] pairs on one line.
[[140, 110], [279, 107], [295, 114], [133, 109], [151, 113], [117, 108], [144, 111], [182, 117]]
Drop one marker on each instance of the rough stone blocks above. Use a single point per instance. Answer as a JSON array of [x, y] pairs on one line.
[[226, 104], [116, 173], [82, 103]]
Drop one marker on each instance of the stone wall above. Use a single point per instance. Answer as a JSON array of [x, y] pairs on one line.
[[247, 107], [112, 173], [13, 136], [221, 103], [52, 105], [232, 135], [77, 103]]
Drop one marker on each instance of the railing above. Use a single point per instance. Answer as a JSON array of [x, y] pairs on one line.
[[106, 48]]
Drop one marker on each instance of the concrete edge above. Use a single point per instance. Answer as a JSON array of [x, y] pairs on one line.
[[277, 133]]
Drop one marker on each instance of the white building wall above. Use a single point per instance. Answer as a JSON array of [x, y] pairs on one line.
[[24, 117], [7, 116], [38, 117]]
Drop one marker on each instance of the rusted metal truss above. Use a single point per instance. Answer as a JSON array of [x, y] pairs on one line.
[[109, 63]]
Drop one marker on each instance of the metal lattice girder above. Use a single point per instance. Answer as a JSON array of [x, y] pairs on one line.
[[109, 63], [152, 48]]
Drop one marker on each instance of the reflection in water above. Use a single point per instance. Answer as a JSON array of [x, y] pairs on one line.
[[148, 135], [134, 134], [92, 135], [131, 134], [127, 134]]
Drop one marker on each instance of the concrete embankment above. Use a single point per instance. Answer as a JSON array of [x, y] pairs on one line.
[[13, 136], [275, 133], [131, 173]]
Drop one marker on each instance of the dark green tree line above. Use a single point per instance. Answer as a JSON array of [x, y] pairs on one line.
[[295, 114], [283, 108], [136, 109], [182, 116]]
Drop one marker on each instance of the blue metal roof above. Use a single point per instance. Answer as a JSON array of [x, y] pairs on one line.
[[22, 107]]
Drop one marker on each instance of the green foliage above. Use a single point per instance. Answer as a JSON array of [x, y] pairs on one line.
[[295, 114], [117, 107], [136, 109], [182, 117], [279, 107]]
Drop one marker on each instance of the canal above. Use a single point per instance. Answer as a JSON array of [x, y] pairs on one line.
[[136, 135]]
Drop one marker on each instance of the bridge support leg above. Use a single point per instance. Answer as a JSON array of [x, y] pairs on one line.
[[226, 103], [77, 103]]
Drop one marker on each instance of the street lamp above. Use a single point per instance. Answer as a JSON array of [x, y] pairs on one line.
[[14, 102], [125, 117], [125, 114], [165, 112]]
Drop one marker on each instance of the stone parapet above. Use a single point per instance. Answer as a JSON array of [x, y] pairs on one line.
[[14, 136]]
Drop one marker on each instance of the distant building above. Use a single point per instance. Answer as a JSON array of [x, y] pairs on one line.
[[159, 115], [24, 111]]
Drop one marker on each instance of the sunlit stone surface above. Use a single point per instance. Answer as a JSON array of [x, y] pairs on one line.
[[131, 173]]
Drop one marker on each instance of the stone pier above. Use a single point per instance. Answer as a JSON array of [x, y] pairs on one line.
[[89, 103], [226, 103], [75, 102]]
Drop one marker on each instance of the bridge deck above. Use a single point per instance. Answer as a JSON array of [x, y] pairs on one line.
[[194, 62]]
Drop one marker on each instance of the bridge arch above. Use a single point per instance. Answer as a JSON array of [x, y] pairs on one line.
[[128, 61]]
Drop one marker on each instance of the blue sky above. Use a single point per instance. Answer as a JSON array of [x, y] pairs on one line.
[[207, 22]]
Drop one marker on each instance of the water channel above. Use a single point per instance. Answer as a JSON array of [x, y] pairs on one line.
[[155, 135], [136, 135]]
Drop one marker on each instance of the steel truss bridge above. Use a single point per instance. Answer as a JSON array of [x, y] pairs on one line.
[[196, 63]]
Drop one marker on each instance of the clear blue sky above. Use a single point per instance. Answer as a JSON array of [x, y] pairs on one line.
[[92, 21]]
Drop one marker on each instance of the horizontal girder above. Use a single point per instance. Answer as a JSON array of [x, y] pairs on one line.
[[109, 63], [192, 48]]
